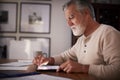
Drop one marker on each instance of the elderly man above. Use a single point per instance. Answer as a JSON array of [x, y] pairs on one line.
[[97, 50]]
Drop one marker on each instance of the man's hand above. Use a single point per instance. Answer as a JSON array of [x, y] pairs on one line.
[[72, 66], [41, 59]]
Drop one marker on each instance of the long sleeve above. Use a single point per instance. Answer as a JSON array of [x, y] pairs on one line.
[[111, 55], [100, 50]]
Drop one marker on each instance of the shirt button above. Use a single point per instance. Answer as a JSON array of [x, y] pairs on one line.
[[84, 51], [85, 45]]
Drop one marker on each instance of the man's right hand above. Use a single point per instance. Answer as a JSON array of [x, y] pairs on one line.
[[41, 59]]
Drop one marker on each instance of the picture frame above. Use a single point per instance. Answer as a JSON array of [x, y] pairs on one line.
[[8, 17], [4, 45], [35, 18], [38, 44]]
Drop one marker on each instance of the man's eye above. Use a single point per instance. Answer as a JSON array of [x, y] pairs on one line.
[[71, 17]]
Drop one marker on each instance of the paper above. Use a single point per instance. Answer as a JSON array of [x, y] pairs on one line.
[[48, 67], [38, 77], [15, 66], [25, 60]]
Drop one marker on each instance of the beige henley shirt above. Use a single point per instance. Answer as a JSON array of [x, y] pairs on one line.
[[100, 50]]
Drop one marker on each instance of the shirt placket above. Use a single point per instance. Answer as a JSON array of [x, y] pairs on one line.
[[84, 49]]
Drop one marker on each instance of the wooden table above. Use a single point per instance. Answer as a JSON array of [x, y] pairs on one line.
[[74, 76]]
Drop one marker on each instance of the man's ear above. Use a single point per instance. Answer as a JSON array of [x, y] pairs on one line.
[[86, 11]]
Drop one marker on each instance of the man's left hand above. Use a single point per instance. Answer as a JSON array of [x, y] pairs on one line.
[[72, 66]]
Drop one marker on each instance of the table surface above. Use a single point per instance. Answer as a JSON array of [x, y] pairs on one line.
[[32, 68]]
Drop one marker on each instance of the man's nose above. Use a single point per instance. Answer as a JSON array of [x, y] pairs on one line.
[[70, 23]]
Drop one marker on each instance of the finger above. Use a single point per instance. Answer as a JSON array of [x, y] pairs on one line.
[[37, 60], [62, 66], [69, 69], [58, 69], [66, 68], [42, 59]]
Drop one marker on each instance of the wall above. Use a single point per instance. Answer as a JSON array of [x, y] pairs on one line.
[[60, 33]]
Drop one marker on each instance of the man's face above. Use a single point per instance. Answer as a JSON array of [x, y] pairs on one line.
[[75, 20]]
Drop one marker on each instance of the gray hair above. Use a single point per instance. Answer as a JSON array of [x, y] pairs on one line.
[[81, 4]]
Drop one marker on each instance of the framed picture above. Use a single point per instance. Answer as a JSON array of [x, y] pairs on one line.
[[37, 44], [4, 45], [35, 17], [8, 16]]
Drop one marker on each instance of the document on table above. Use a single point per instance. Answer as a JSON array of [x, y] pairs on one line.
[[15, 65], [48, 67], [38, 77], [13, 68]]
